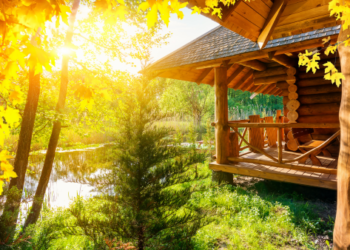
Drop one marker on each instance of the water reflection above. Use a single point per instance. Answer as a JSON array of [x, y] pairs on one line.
[[73, 173]]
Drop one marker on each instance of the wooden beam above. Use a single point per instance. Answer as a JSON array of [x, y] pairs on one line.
[[203, 75], [234, 74], [271, 22], [247, 84], [281, 70], [213, 65], [274, 79], [243, 79], [227, 11], [254, 64], [269, 88], [285, 61], [271, 54]]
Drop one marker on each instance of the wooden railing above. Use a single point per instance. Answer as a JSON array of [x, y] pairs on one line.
[[280, 162]]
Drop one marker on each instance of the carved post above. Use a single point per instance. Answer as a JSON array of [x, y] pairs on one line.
[[222, 131]]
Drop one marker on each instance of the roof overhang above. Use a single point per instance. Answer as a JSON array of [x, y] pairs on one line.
[[264, 20]]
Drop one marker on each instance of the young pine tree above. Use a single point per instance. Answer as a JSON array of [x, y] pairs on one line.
[[154, 175]]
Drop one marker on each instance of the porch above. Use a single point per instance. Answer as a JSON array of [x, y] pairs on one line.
[[309, 178], [266, 155]]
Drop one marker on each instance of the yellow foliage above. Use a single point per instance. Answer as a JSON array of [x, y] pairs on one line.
[[312, 63], [326, 40], [331, 49], [6, 169], [331, 73], [341, 10]]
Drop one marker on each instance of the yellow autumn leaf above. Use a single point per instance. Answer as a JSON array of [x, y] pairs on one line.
[[10, 115], [1, 186], [121, 11], [331, 73], [152, 16], [218, 12], [8, 174], [211, 3], [4, 155], [164, 11], [176, 6], [326, 40], [331, 49], [144, 6], [312, 64], [15, 97], [195, 10], [11, 70]]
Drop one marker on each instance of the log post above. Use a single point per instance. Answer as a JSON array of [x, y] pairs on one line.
[[341, 237], [234, 145], [279, 138], [256, 135], [222, 130]]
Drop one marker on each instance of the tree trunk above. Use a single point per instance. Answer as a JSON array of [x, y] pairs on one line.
[[341, 236], [13, 201], [141, 239], [51, 150]]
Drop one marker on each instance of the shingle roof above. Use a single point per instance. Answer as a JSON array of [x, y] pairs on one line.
[[221, 42]]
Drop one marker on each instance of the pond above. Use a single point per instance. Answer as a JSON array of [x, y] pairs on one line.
[[74, 173]]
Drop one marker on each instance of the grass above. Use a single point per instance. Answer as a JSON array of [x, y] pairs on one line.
[[258, 215]]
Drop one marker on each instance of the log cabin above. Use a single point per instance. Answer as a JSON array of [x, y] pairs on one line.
[[256, 49]]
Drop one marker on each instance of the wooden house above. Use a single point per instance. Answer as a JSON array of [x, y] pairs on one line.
[[222, 56], [256, 49]]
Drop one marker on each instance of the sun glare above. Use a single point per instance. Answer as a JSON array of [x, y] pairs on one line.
[[64, 51]]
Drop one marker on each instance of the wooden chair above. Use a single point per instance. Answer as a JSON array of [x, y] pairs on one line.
[[296, 133]]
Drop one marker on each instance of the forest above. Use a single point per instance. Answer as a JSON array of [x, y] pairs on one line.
[[95, 157]]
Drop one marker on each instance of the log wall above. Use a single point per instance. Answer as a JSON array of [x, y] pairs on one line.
[[319, 100]]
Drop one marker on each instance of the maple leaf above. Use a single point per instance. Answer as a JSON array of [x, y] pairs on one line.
[[1, 186], [331, 49], [312, 64], [4, 155], [11, 70], [331, 73], [152, 16], [144, 6], [211, 3], [176, 6], [121, 11], [217, 11], [195, 10], [164, 10], [326, 40], [15, 97]]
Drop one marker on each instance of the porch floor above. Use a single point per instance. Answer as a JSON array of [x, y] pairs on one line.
[[322, 180]]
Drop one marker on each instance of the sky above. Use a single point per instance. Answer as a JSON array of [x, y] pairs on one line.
[[183, 31]]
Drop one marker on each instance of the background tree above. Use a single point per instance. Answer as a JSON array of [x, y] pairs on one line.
[[190, 99], [149, 166]]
